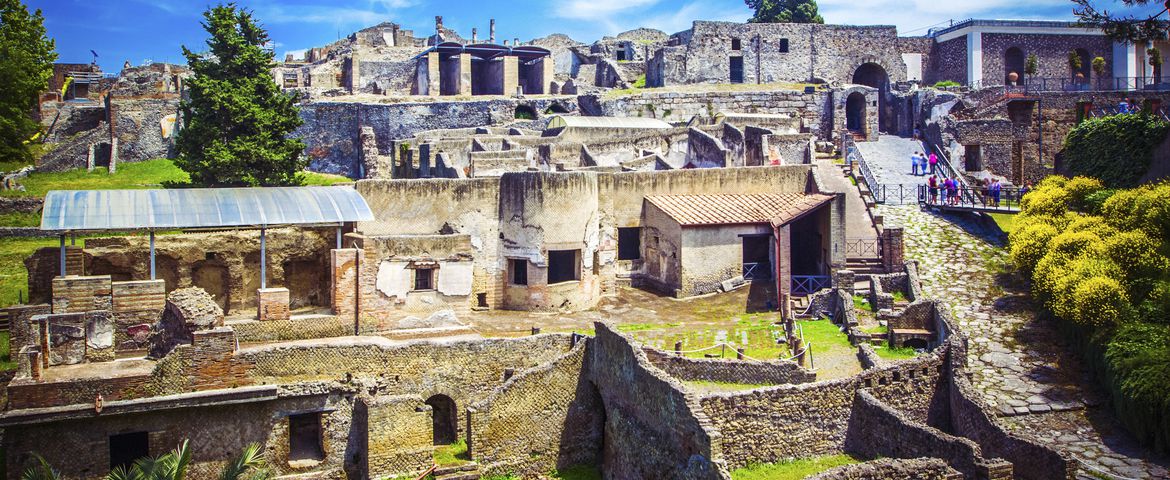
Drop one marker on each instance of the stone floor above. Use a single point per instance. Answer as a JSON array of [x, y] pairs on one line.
[[1017, 360], [857, 222], [889, 159]]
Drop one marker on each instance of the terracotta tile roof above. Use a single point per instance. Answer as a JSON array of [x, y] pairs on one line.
[[732, 208]]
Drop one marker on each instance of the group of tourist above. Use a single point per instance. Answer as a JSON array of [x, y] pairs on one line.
[[991, 190], [919, 163], [949, 188]]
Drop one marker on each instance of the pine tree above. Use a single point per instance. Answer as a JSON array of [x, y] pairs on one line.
[[1127, 28], [26, 64], [784, 11], [237, 122]]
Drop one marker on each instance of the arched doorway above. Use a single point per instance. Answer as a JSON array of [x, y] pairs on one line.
[[873, 75], [1083, 74], [855, 112], [444, 421], [915, 343], [1013, 62], [212, 276]]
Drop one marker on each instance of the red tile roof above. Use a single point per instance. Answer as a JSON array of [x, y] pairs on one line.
[[732, 208]]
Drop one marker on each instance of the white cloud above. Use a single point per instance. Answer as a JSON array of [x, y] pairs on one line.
[[913, 16], [683, 18], [599, 10]]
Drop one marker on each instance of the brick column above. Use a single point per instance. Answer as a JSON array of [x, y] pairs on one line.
[[343, 276], [273, 304], [74, 260], [892, 250], [843, 279]]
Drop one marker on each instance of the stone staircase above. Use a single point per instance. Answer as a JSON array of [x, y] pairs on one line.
[[466, 471], [865, 266]]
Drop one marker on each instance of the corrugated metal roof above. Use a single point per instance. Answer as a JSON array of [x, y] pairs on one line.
[[575, 121], [731, 208], [111, 210]]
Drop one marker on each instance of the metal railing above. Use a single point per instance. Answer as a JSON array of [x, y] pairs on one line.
[[895, 194], [861, 247], [1108, 84], [806, 284], [1008, 200], [757, 271]]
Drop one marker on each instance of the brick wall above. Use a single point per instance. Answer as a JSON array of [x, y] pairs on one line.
[[273, 304], [136, 307], [75, 294], [396, 435], [543, 419]]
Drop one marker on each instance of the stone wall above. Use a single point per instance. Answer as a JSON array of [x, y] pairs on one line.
[[776, 372], [705, 151], [813, 109], [949, 61], [1051, 53], [549, 417], [645, 407], [892, 469], [396, 435]]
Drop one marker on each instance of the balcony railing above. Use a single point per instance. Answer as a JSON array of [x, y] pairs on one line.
[[757, 271], [806, 284]]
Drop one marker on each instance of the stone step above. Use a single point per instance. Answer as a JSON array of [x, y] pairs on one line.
[[454, 469], [459, 476]]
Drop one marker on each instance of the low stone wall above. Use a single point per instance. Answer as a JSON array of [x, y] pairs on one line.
[[316, 326], [814, 109], [892, 469], [876, 430], [779, 372], [549, 417], [396, 432]]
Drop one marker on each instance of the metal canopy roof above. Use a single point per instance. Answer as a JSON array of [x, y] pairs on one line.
[[575, 121], [488, 51], [210, 208]]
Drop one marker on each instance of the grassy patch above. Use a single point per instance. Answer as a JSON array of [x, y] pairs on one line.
[[878, 329], [793, 469], [862, 303], [899, 296], [6, 362], [887, 353], [824, 334], [1005, 221], [148, 174], [578, 472], [709, 386], [20, 219], [453, 454], [637, 327], [13, 276], [325, 179]]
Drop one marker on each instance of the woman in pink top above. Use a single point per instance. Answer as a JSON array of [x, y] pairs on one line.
[[933, 161]]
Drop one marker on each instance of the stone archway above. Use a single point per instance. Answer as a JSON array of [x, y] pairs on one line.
[[872, 74], [855, 112], [444, 419]]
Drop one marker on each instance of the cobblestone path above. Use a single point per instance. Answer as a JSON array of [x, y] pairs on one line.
[[889, 159], [1016, 359]]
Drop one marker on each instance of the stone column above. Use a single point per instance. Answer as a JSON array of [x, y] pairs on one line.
[[424, 160], [510, 72], [273, 304], [90, 157], [546, 76], [892, 249], [464, 73], [432, 74], [844, 279], [113, 154], [974, 58]]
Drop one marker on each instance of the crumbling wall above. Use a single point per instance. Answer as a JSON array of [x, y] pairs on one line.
[[813, 109], [187, 310]]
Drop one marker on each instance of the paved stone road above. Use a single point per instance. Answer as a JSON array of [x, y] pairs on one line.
[[858, 225], [889, 159], [1016, 359]]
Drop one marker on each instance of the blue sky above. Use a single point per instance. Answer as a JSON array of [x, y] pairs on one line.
[[153, 30]]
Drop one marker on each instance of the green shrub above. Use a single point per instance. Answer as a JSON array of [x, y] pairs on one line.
[[1137, 255], [1029, 244], [946, 83], [1095, 201], [1138, 366], [640, 82], [1100, 302], [1116, 149], [1146, 208], [1046, 200]]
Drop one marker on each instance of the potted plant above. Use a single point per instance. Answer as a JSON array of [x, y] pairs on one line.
[[1031, 66], [1074, 66], [1155, 56], [1099, 68]]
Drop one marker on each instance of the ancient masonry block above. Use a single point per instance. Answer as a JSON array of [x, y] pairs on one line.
[[273, 303], [343, 267], [187, 311], [892, 248], [74, 260], [76, 294], [136, 307]]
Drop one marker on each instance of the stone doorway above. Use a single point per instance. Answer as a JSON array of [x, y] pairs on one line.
[[444, 420], [855, 112], [873, 75]]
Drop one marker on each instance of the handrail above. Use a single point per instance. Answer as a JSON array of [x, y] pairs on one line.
[[974, 199]]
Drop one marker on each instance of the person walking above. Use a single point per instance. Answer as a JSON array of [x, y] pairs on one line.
[[995, 190], [933, 162], [914, 159]]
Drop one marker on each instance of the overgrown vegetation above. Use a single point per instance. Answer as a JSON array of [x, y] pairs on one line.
[[894, 354], [1100, 263], [640, 82], [946, 83], [1116, 149], [13, 275], [27, 54], [793, 469], [173, 465], [6, 361], [784, 11], [453, 454], [578, 472]]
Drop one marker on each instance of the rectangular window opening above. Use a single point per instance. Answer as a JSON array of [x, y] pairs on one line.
[[630, 243], [783, 45], [519, 269], [126, 448], [304, 437], [735, 44], [564, 266], [424, 279]]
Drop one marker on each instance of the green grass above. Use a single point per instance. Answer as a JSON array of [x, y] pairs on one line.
[[148, 174], [1005, 221], [578, 472], [862, 303], [793, 469], [895, 353], [453, 454], [6, 362], [876, 329], [20, 219], [13, 276], [899, 296], [824, 334]]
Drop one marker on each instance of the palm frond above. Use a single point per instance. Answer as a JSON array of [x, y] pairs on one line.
[[182, 455], [41, 471], [248, 459]]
